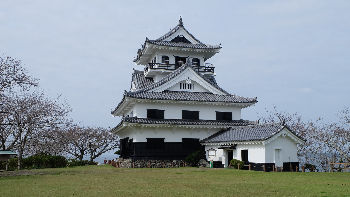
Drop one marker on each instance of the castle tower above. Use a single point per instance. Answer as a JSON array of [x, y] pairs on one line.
[[174, 102]]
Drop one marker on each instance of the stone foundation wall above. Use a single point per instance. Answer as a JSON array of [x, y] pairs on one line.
[[129, 163]]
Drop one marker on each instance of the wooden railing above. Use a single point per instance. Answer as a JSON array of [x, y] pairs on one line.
[[204, 69], [338, 166]]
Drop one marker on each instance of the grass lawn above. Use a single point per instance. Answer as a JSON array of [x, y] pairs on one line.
[[110, 181]]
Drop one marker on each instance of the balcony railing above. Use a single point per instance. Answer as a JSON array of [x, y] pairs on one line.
[[162, 66], [208, 68], [204, 69]]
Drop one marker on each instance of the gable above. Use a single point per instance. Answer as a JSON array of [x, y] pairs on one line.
[[180, 39], [188, 75], [182, 32], [188, 86], [285, 133]]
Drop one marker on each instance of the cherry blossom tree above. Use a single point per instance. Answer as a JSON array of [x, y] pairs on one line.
[[12, 77], [32, 113], [88, 141]]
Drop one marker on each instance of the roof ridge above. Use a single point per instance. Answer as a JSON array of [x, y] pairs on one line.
[[185, 45]]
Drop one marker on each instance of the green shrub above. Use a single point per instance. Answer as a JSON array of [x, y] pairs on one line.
[[12, 165], [75, 162], [37, 161], [193, 158], [234, 163], [43, 160]]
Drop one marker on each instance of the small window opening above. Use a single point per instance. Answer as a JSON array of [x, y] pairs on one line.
[[195, 61], [165, 59]]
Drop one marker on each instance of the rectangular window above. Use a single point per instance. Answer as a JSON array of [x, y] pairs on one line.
[[185, 86], [190, 115], [155, 143], [155, 114], [223, 115]]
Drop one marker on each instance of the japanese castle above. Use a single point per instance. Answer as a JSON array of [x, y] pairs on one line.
[[175, 107]]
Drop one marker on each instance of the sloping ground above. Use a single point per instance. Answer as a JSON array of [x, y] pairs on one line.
[[109, 181]]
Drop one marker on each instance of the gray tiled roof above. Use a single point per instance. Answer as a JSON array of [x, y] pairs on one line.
[[140, 80], [245, 133], [190, 96], [172, 31], [219, 123], [146, 85], [183, 45], [161, 41]]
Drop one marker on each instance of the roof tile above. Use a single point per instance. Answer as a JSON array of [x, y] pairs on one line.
[[245, 133]]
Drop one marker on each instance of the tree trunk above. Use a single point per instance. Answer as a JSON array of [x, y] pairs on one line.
[[7, 165], [19, 160], [81, 156], [91, 158]]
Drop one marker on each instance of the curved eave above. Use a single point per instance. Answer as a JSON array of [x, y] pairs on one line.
[[128, 102], [148, 49], [123, 125], [124, 106], [166, 101]]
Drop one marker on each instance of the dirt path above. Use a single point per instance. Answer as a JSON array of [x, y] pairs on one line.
[[20, 173]]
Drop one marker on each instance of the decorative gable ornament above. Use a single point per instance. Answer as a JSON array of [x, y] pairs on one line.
[[188, 80]]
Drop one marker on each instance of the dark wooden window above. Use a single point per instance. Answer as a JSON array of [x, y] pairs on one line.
[[195, 61], [190, 115], [165, 59], [223, 115], [244, 156], [155, 114], [155, 143], [179, 61]]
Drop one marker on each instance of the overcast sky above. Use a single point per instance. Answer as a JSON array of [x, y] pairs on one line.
[[292, 54]]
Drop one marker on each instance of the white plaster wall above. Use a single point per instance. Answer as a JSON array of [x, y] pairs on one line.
[[174, 110], [256, 152], [171, 134], [288, 150]]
